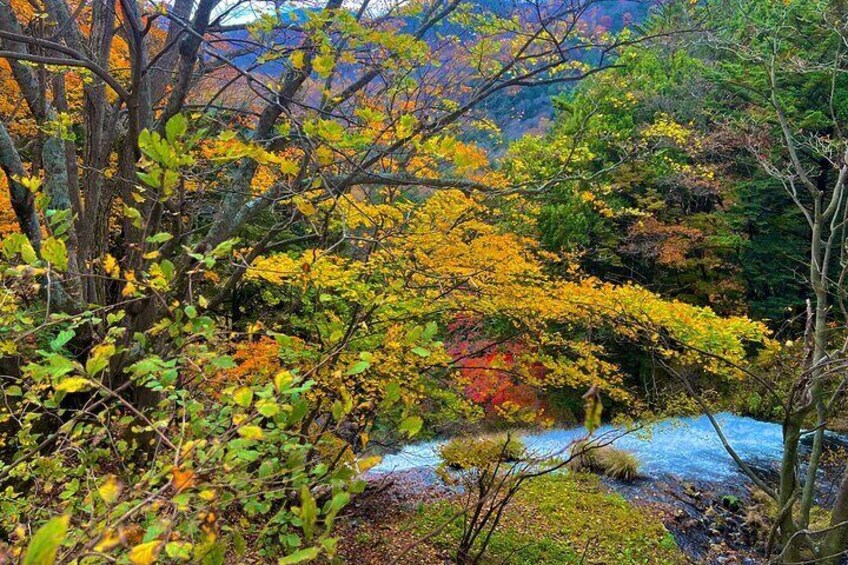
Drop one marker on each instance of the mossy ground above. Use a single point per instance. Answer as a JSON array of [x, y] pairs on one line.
[[556, 519]]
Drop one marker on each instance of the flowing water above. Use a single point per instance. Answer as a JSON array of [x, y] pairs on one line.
[[685, 448]]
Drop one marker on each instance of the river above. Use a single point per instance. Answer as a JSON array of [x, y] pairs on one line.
[[684, 448]]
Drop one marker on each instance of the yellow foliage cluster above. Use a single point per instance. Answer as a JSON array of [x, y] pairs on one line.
[[665, 127], [8, 220], [446, 258]]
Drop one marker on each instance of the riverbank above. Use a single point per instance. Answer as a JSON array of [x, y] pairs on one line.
[[559, 518], [691, 502]]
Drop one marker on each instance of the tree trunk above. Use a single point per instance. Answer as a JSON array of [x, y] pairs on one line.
[[836, 540]]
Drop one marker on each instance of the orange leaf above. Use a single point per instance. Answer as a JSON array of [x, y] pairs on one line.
[[183, 478]]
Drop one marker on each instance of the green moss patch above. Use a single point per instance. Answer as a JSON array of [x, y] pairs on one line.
[[564, 518]]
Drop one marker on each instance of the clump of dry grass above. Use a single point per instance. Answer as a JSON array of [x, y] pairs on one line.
[[606, 460]]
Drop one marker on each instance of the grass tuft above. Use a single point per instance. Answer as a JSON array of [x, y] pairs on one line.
[[606, 460]]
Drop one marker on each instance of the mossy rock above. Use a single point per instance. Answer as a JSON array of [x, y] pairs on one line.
[[463, 453]]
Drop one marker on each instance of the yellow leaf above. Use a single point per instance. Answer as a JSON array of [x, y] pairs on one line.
[[110, 265], [129, 289], [304, 206], [243, 396], [368, 462], [110, 489], [289, 167], [145, 554], [99, 358], [250, 432], [72, 384], [282, 379], [323, 65], [208, 495], [53, 250], [297, 59], [110, 540]]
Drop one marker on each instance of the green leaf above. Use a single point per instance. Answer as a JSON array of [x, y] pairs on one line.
[[54, 252], [391, 394], [133, 215], [223, 362], [414, 335], [308, 512], [300, 556], [151, 180], [175, 128], [12, 244], [61, 339], [429, 331], [299, 410], [28, 253], [420, 351], [168, 269], [338, 411], [329, 545], [358, 367], [56, 366], [46, 541], [180, 550], [339, 501], [268, 408], [223, 249], [411, 425], [214, 555], [160, 237], [239, 544]]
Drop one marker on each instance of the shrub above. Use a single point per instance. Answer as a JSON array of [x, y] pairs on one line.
[[464, 453]]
